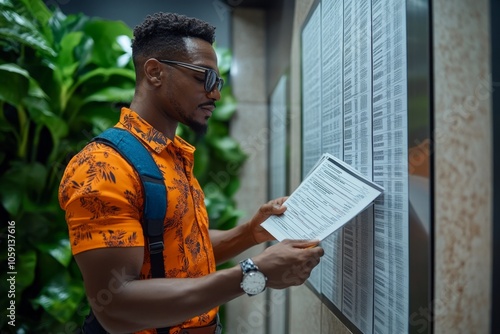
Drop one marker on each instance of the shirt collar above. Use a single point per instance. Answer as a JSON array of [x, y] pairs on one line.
[[153, 138]]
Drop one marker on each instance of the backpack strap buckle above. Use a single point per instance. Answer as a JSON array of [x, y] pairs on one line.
[[156, 247]]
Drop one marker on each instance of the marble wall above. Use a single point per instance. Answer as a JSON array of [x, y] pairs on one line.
[[250, 128], [463, 160]]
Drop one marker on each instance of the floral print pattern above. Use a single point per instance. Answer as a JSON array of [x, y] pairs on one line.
[[102, 196]]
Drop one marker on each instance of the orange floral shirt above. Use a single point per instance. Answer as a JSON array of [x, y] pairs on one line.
[[102, 196]]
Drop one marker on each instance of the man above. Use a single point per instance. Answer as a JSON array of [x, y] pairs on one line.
[[177, 81]]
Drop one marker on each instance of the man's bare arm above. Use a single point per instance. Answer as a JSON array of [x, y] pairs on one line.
[[123, 303], [228, 244]]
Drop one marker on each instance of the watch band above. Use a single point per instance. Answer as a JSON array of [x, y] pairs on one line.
[[248, 266]]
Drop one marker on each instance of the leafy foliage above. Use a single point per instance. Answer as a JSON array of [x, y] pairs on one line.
[[63, 79]]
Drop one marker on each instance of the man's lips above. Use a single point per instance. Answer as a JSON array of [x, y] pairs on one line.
[[208, 107]]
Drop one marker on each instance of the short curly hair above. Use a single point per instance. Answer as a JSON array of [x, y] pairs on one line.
[[161, 35]]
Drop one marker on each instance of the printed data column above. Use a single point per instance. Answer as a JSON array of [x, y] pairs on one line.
[[311, 106], [332, 137], [357, 298], [390, 165]]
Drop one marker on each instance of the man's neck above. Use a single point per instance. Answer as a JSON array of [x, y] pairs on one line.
[[155, 118]]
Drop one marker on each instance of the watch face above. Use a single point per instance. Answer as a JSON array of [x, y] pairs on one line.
[[253, 283]]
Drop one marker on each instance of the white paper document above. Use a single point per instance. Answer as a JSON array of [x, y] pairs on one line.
[[331, 195]]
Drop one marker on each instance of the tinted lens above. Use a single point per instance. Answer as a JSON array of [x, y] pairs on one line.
[[210, 79], [220, 84]]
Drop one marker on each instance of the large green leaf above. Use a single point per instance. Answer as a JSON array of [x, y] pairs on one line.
[[216, 129], [229, 217], [222, 213], [20, 181], [42, 14], [25, 267], [4, 123], [224, 59], [6, 4], [40, 112], [202, 160], [103, 74], [232, 187], [228, 148], [11, 200], [105, 34], [100, 116], [61, 297], [38, 10], [62, 24], [66, 66], [66, 55], [20, 29], [58, 247], [226, 107], [13, 76], [111, 94]]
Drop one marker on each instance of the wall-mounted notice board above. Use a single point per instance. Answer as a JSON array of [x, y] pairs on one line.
[[366, 99]]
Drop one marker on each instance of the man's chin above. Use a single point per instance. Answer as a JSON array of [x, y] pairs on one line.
[[199, 129]]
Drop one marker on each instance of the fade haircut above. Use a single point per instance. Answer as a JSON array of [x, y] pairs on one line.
[[162, 35]]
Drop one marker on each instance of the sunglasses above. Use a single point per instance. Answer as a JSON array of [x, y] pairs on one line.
[[211, 78]]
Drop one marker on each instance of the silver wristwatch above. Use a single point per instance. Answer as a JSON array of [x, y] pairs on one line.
[[253, 282]]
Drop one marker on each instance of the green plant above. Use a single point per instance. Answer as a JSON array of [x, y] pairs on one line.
[[63, 80]]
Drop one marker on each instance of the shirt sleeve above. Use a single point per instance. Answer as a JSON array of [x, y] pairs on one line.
[[102, 197]]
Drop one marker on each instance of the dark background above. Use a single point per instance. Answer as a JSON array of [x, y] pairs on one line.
[[216, 12]]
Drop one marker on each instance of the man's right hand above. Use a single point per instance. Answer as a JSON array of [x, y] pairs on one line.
[[289, 263]]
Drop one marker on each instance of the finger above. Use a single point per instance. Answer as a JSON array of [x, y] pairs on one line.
[[272, 208], [302, 243], [320, 251], [278, 209], [279, 201]]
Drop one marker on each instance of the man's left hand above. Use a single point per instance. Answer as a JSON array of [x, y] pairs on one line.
[[273, 207]]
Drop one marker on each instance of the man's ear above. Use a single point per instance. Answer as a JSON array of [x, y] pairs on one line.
[[152, 71]]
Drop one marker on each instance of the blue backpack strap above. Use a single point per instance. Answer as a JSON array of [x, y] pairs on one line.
[[155, 193]]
